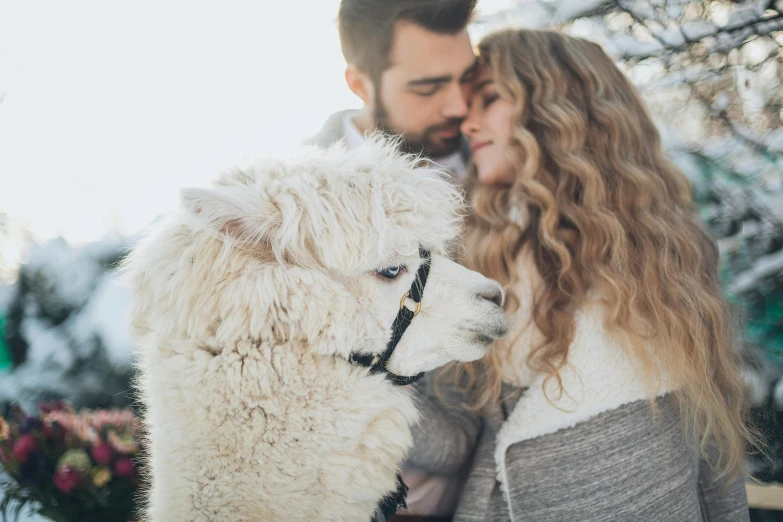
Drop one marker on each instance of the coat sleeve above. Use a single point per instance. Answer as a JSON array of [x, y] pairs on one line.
[[623, 464], [722, 501], [444, 438]]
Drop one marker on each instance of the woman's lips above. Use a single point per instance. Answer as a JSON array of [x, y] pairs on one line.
[[478, 146]]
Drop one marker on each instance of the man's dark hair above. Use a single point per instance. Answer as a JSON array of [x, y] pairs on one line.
[[367, 26]]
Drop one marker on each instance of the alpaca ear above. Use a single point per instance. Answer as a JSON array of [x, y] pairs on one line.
[[247, 219], [229, 212], [197, 200]]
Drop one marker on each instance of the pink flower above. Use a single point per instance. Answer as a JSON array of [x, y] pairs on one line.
[[124, 468], [102, 453], [88, 425], [24, 446], [67, 478]]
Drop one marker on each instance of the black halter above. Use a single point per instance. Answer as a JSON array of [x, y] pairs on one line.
[[377, 363]]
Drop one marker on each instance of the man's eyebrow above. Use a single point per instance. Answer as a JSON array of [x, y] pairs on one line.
[[430, 81], [481, 84], [470, 70], [446, 78]]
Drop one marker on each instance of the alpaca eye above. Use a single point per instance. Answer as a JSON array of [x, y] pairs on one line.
[[391, 272]]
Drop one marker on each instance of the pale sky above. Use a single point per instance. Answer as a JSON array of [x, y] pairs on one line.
[[111, 107]]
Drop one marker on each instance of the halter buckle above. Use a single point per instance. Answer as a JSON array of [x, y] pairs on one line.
[[402, 303]]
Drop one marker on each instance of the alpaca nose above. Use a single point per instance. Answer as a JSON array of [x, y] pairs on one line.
[[492, 292]]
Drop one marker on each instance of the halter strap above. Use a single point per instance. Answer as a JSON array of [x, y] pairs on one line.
[[377, 363]]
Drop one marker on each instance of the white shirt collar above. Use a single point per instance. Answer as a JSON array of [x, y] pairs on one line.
[[352, 134], [453, 162]]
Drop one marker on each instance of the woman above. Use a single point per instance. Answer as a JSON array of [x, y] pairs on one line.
[[618, 396]]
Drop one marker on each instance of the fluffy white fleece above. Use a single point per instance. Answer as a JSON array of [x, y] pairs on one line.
[[600, 375], [248, 301]]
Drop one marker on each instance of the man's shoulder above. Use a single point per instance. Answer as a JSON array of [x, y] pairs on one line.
[[332, 130]]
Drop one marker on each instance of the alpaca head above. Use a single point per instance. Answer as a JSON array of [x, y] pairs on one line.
[[321, 247]]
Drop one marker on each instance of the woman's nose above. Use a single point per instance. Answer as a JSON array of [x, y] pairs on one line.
[[469, 127]]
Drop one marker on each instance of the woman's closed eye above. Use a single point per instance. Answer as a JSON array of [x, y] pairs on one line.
[[488, 99]]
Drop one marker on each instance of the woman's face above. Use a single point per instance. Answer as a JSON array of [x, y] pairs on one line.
[[488, 127]]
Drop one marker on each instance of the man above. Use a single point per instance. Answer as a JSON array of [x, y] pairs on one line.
[[411, 63]]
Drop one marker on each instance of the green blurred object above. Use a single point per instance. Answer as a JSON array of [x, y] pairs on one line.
[[5, 355], [736, 209]]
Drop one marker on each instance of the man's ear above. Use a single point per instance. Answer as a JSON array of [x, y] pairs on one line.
[[360, 83]]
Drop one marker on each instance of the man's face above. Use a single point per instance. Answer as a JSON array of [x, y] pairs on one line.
[[422, 95]]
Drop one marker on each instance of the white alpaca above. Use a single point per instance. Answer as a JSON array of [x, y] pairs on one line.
[[249, 304]]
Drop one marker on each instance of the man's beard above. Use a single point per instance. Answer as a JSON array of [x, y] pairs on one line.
[[423, 143]]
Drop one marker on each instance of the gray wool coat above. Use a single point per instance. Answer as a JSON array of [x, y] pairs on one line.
[[621, 465]]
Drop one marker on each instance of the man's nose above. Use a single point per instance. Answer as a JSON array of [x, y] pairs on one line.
[[456, 105]]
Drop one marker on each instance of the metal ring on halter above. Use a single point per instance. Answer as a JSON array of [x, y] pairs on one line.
[[402, 303]]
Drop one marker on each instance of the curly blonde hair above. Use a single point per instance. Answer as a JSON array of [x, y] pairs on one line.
[[607, 212]]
